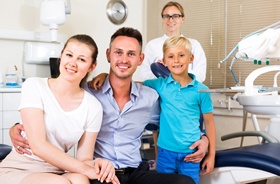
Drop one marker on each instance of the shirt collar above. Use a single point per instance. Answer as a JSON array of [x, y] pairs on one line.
[[134, 88], [165, 36], [192, 83], [106, 86]]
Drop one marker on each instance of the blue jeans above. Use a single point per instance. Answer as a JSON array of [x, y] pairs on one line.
[[173, 162]]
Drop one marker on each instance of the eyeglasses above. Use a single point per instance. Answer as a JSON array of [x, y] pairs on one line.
[[174, 16]]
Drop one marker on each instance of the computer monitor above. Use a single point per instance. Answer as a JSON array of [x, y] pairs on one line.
[[54, 67]]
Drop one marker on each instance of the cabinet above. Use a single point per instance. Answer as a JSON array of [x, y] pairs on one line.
[[147, 149], [9, 115]]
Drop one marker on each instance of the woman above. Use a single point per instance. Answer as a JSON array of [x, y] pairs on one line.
[[56, 114], [173, 18]]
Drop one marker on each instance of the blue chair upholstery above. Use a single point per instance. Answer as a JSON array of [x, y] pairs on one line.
[[159, 70], [4, 150], [262, 156]]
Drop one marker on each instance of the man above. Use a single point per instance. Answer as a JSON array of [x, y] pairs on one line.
[[127, 108]]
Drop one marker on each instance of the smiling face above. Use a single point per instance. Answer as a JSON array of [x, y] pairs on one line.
[[172, 25], [177, 59], [124, 55], [76, 61]]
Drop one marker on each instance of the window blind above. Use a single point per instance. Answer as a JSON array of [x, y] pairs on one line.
[[219, 25]]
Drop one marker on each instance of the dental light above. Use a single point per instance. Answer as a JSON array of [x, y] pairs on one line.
[[259, 46], [52, 14]]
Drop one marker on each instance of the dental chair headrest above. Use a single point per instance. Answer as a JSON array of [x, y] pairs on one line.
[[159, 70]]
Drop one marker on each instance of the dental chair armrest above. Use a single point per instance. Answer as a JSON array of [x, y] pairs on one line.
[[266, 137], [4, 151]]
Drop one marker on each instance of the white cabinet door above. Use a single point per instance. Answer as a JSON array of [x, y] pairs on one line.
[[10, 118], [1, 119], [1, 101], [6, 137], [11, 101], [9, 114]]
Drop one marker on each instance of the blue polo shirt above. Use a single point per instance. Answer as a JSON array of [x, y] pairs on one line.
[[180, 112]]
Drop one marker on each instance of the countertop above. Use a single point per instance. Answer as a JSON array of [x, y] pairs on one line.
[[223, 90], [226, 91], [241, 89], [5, 89]]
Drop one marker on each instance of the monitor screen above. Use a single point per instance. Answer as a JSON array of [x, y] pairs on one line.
[[54, 67]]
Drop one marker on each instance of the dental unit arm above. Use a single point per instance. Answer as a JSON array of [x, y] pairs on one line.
[[52, 14], [259, 46]]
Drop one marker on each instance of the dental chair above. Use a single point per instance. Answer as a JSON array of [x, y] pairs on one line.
[[246, 164], [242, 164], [4, 151]]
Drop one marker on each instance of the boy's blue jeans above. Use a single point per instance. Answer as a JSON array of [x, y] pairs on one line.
[[173, 162]]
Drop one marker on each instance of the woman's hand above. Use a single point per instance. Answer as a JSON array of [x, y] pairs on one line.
[[106, 171], [97, 81]]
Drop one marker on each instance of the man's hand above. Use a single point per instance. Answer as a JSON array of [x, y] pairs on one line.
[[202, 147], [18, 141], [97, 81], [160, 61]]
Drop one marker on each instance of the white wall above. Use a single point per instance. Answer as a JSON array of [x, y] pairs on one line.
[[87, 17]]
